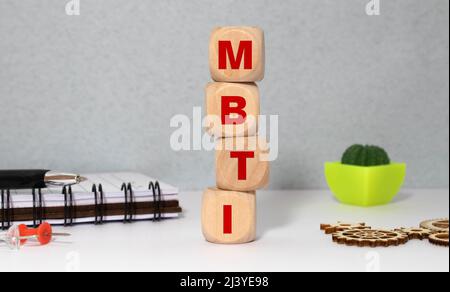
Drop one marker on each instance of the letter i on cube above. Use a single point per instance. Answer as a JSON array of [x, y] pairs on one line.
[[228, 217]]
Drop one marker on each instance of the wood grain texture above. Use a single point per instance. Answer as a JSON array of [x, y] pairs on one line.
[[216, 93], [237, 35], [227, 168], [243, 224]]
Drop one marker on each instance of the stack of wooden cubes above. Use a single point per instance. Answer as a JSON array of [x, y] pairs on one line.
[[237, 61]]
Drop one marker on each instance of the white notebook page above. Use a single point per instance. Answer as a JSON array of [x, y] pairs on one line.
[[82, 193]]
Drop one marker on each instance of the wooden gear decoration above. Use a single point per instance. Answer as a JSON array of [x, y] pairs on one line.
[[341, 226], [416, 233], [370, 238], [361, 235], [436, 225], [440, 239]]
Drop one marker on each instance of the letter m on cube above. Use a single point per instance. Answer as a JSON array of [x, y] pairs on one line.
[[237, 54], [226, 53]]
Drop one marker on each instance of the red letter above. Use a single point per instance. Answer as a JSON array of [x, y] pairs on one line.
[[242, 162], [244, 51], [227, 219], [227, 110]]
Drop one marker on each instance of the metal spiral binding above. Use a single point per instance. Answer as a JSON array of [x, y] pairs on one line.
[[99, 203], [38, 211], [132, 206], [6, 211], [68, 206], [102, 203], [156, 189], [129, 206]]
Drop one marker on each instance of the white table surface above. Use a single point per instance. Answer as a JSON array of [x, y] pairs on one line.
[[289, 239]]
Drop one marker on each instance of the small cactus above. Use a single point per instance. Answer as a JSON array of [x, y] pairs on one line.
[[368, 155]]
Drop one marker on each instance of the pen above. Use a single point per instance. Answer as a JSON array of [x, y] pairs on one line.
[[29, 179]]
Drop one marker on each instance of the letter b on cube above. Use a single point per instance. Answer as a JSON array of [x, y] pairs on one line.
[[232, 109]]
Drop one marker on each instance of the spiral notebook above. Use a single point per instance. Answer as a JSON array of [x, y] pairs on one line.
[[106, 197]]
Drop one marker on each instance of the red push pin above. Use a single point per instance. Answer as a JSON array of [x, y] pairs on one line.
[[43, 233]]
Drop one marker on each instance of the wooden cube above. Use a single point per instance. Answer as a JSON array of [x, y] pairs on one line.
[[242, 163], [232, 109], [229, 217], [237, 54]]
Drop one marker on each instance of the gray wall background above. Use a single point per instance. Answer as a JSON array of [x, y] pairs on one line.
[[96, 92]]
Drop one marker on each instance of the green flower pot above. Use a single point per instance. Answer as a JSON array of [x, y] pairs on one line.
[[365, 186]]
